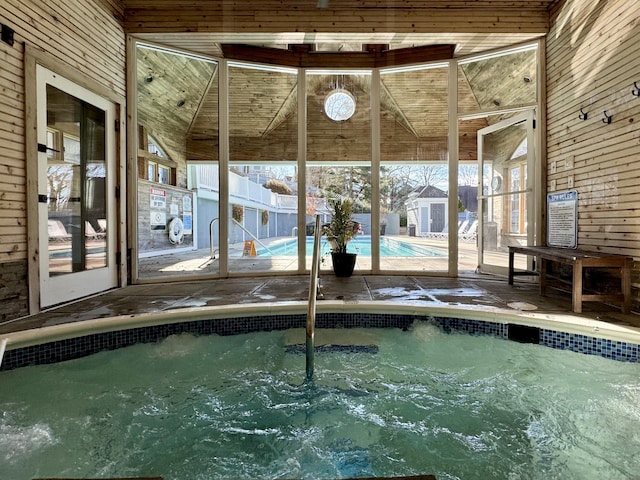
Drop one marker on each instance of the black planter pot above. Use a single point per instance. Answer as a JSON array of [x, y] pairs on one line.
[[343, 263]]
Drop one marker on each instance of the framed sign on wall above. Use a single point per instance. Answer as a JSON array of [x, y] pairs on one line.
[[562, 219]]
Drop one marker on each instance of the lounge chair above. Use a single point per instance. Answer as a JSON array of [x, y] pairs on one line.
[[462, 228], [471, 234], [91, 233], [57, 232], [444, 234]]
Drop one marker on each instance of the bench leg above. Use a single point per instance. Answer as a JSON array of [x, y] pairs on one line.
[[543, 276], [511, 262], [625, 275], [577, 287]]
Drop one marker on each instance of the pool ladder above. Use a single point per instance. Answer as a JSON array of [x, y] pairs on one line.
[[313, 297], [212, 251]]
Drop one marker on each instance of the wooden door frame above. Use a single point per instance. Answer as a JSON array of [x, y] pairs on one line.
[[34, 57]]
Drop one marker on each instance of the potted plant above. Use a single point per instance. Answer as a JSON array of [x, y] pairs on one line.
[[339, 231]]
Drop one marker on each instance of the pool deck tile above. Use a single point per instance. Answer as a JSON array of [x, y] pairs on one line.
[[466, 292]]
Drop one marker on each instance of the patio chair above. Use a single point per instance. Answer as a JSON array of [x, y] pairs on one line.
[[462, 228], [91, 233], [444, 234], [57, 231], [471, 234]]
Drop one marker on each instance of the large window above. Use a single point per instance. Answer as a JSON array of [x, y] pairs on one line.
[[517, 175], [339, 151], [414, 169], [233, 141], [502, 80], [177, 125], [263, 151]]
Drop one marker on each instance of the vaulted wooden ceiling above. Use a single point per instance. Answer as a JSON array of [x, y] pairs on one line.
[[206, 27], [178, 100]]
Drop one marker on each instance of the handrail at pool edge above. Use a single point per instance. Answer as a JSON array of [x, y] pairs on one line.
[[3, 347], [313, 293]]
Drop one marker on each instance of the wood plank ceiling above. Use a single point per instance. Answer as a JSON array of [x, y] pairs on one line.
[[205, 27]]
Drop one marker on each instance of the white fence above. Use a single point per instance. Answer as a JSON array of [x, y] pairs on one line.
[[245, 192]]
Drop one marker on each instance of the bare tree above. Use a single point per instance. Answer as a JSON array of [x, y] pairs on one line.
[[468, 174], [59, 178], [432, 174]]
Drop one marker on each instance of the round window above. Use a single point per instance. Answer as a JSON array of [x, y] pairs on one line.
[[339, 105]]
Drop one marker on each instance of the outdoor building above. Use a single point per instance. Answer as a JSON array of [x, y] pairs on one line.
[[427, 210]]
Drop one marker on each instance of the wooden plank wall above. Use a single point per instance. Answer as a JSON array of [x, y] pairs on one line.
[[88, 36], [591, 64]]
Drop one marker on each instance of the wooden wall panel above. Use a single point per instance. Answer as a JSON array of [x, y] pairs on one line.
[[591, 65], [88, 36]]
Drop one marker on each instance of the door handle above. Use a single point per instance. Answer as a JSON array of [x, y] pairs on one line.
[[44, 149]]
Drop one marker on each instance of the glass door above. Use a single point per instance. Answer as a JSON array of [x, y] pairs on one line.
[[506, 208], [76, 161]]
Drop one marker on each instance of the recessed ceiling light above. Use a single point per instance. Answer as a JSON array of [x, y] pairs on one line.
[[148, 79], [180, 103]]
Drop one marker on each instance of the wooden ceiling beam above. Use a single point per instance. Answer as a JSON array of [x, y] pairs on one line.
[[371, 16], [307, 58]]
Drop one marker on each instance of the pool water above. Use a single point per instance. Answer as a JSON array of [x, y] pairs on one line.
[[360, 245], [453, 405]]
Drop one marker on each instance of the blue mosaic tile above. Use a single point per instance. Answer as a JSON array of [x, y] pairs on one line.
[[613, 349], [473, 327], [62, 350]]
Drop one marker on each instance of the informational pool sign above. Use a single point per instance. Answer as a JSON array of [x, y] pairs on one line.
[[187, 221], [562, 219], [158, 198]]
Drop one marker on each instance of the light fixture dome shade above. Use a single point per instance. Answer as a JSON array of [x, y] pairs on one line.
[[339, 105]]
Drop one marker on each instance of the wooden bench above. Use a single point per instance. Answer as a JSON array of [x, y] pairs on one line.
[[579, 260]]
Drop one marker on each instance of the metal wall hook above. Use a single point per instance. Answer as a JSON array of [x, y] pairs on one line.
[[607, 118], [583, 115], [636, 90]]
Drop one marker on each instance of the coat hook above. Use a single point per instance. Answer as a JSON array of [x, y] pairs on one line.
[[583, 115], [607, 118], [636, 90]]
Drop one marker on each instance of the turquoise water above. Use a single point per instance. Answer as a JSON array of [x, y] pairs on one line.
[[360, 245], [195, 408]]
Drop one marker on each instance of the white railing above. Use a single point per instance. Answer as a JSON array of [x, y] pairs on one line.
[[289, 202], [205, 177]]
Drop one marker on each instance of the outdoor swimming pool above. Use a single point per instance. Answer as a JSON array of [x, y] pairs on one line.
[[201, 407], [361, 245]]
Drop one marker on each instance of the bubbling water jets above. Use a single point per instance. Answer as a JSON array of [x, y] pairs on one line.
[[425, 331], [18, 443]]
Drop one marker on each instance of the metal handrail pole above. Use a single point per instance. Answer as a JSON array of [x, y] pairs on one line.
[[211, 250], [252, 236], [313, 291], [3, 347]]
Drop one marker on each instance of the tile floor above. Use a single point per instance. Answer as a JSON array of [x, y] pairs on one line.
[[476, 291]]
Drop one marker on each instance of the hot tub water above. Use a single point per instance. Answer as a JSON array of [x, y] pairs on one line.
[[452, 405]]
